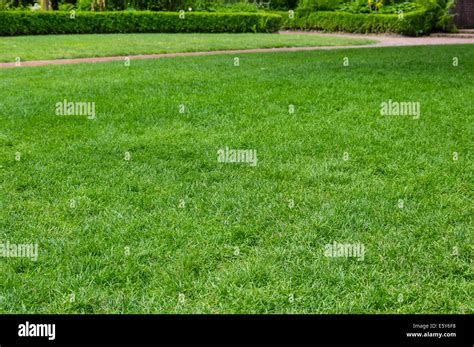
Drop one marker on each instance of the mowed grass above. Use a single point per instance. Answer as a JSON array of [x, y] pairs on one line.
[[130, 245], [102, 45]]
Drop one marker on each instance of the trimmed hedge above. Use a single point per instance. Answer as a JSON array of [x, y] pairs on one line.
[[33, 23], [413, 23]]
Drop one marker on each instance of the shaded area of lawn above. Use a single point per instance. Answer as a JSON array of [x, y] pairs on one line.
[[173, 220], [103, 45]]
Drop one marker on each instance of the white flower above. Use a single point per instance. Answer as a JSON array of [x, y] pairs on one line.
[[35, 7]]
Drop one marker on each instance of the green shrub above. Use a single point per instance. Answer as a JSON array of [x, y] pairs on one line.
[[83, 5], [196, 5], [64, 6], [442, 16], [361, 7], [282, 4], [234, 7], [160, 5], [6, 5], [412, 24], [307, 6], [31, 23]]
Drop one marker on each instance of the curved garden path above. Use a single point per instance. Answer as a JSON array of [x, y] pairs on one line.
[[381, 41]]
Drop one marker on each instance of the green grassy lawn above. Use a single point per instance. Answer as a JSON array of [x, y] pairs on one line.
[[77, 46], [129, 244]]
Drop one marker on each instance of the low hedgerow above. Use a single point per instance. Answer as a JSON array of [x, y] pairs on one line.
[[32, 23], [411, 24]]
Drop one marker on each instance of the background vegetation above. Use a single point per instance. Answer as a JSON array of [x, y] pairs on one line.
[[425, 15]]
